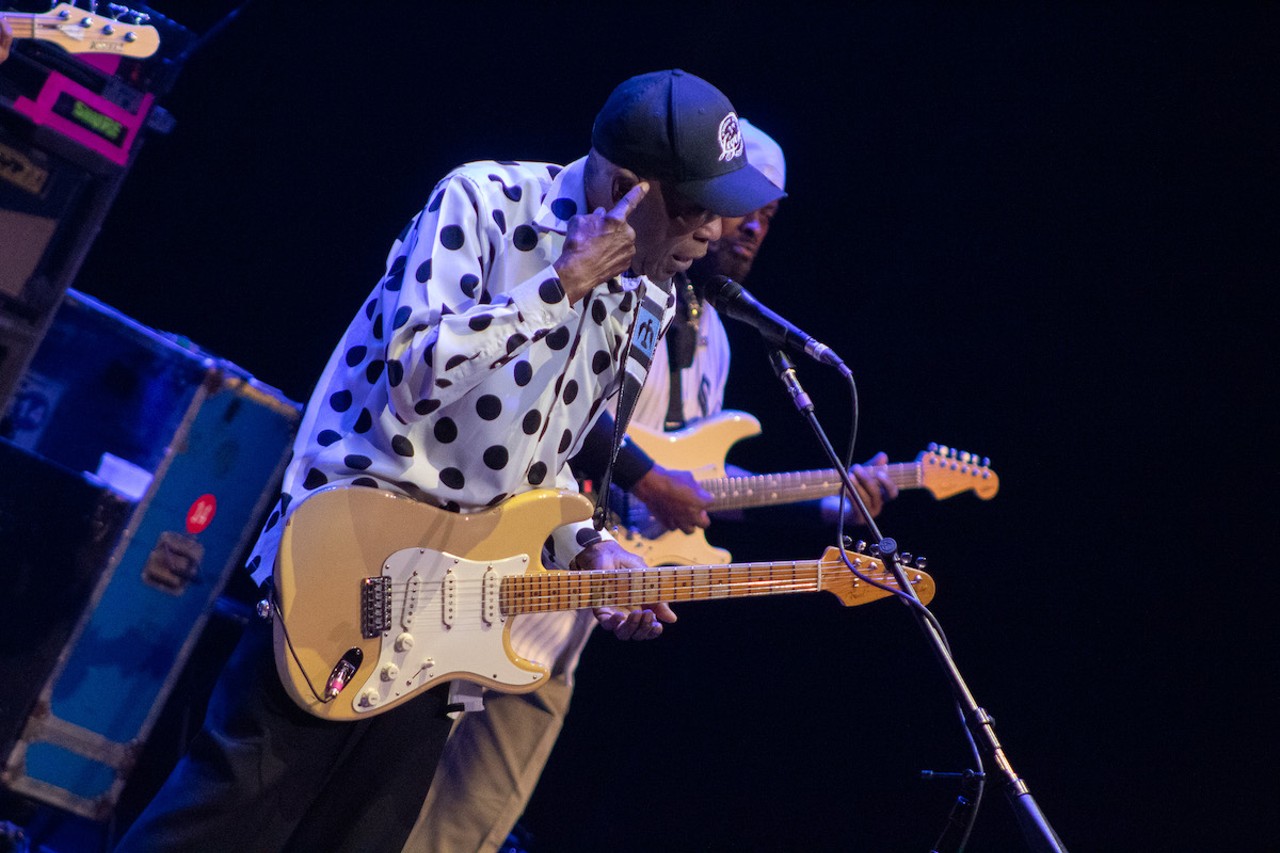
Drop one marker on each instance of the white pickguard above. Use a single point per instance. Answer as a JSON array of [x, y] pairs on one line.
[[445, 619]]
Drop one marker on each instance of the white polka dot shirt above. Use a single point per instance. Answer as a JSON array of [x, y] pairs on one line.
[[467, 377]]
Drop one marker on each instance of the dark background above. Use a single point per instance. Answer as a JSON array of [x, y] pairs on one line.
[[1038, 232]]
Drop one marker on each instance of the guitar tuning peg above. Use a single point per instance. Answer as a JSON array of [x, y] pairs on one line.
[[965, 456], [921, 563], [117, 10], [860, 546], [933, 447], [986, 462], [906, 558], [944, 450]]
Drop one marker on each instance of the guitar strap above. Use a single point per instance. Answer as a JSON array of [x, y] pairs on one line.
[[642, 343], [682, 343]]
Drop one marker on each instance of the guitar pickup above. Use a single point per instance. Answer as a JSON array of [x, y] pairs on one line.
[[489, 610], [413, 591], [449, 597]]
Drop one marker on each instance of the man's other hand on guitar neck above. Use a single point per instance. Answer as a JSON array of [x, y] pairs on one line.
[[874, 485], [674, 498], [643, 623]]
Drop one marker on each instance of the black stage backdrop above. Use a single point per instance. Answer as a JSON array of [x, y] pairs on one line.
[[1037, 232]]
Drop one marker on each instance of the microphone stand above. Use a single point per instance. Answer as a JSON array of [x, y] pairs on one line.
[[1036, 831]]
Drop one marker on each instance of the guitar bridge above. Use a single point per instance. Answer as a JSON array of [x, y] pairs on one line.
[[375, 607]]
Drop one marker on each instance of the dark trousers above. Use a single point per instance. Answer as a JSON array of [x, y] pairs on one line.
[[264, 775]]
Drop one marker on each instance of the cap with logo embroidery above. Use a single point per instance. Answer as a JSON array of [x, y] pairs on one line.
[[677, 128]]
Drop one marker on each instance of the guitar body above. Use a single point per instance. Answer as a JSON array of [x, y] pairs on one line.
[[378, 597], [700, 449], [405, 593]]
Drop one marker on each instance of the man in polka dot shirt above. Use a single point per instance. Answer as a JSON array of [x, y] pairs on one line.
[[494, 759], [471, 373]]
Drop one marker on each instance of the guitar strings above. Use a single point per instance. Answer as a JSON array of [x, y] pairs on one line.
[[522, 593]]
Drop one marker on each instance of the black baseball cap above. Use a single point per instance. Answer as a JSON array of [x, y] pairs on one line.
[[677, 128]]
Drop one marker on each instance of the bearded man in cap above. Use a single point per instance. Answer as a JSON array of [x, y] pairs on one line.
[[513, 307]]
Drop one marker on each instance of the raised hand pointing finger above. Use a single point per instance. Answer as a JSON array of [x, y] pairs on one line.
[[628, 202]]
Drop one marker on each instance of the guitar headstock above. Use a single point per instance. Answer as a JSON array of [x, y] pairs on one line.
[[77, 30], [945, 471], [852, 590]]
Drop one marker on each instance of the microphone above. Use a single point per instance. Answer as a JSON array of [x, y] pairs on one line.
[[733, 300]]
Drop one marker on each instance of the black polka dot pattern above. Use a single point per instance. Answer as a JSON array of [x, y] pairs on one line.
[[559, 339], [489, 407], [446, 431], [451, 237], [520, 371], [531, 422], [564, 208], [524, 238], [495, 457], [551, 291]]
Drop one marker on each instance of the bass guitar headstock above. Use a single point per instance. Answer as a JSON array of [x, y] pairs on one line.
[[122, 31]]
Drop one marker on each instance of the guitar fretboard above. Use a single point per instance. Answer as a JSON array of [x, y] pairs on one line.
[[758, 490], [23, 26], [543, 592]]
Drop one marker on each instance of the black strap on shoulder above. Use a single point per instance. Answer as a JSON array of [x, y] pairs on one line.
[[637, 357], [682, 343]]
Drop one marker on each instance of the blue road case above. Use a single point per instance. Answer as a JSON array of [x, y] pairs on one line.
[[196, 448]]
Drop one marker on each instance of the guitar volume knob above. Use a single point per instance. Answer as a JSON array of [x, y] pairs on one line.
[[404, 642]]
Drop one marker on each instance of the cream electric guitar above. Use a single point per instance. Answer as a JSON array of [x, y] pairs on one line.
[[78, 30], [943, 471], [379, 597]]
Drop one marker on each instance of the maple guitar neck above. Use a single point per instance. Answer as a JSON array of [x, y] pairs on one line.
[[544, 592], [759, 490], [21, 24]]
